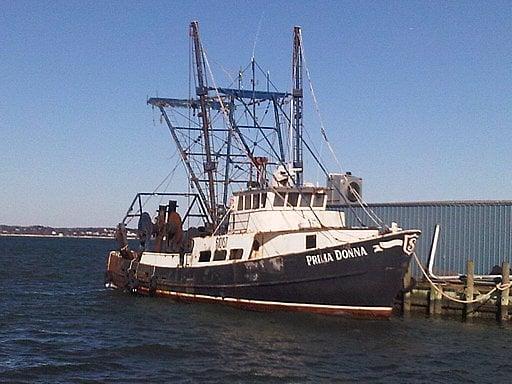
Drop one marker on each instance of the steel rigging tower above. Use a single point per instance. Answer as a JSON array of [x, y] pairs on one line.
[[297, 94]]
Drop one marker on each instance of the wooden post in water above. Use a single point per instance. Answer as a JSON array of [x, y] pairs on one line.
[[437, 298], [469, 289], [504, 295], [406, 304], [435, 301], [431, 301]]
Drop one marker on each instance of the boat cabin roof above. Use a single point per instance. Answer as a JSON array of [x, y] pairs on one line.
[[282, 198]]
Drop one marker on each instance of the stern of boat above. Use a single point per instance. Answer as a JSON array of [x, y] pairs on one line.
[[117, 271]]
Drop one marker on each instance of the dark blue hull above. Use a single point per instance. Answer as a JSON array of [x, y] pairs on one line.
[[361, 278]]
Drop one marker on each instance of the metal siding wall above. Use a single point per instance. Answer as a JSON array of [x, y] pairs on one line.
[[481, 231]]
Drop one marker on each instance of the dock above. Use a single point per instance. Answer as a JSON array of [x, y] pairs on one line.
[[470, 297]]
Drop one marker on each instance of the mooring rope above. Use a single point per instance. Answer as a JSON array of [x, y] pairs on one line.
[[369, 212], [487, 296]]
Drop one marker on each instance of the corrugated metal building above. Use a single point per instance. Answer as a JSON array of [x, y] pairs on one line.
[[470, 230]]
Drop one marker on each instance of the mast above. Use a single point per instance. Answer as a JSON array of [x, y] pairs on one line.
[[220, 154], [202, 91], [297, 106]]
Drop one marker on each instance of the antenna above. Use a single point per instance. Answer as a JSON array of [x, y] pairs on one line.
[[257, 34]]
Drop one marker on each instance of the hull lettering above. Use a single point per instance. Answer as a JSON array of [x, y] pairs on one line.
[[336, 255]]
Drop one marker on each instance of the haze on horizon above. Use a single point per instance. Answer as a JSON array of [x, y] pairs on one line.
[[415, 95]]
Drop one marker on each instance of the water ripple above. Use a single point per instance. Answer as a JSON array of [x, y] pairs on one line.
[[58, 324]]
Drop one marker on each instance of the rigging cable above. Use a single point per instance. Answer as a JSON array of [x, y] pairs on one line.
[[371, 214], [168, 177], [324, 170], [249, 155]]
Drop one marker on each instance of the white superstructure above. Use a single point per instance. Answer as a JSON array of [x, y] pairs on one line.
[[268, 223]]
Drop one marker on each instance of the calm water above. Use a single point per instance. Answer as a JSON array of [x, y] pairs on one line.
[[58, 324]]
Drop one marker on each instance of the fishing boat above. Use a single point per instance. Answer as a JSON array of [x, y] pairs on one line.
[[247, 230]]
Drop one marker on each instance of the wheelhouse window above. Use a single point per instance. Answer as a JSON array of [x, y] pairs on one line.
[[247, 204], [204, 256], [279, 199], [219, 254], [293, 199], [236, 254], [256, 201], [318, 199], [263, 199], [310, 241], [305, 200], [240, 203]]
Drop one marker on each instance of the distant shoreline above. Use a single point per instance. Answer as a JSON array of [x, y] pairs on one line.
[[55, 236], [69, 232]]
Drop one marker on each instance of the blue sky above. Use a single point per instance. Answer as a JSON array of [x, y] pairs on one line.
[[415, 95]]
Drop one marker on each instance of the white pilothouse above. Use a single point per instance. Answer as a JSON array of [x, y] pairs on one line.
[[268, 223]]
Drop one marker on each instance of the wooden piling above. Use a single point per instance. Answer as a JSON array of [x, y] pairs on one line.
[[504, 295], [435, 301], [469, 289], [438, 301], [431, 300]]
